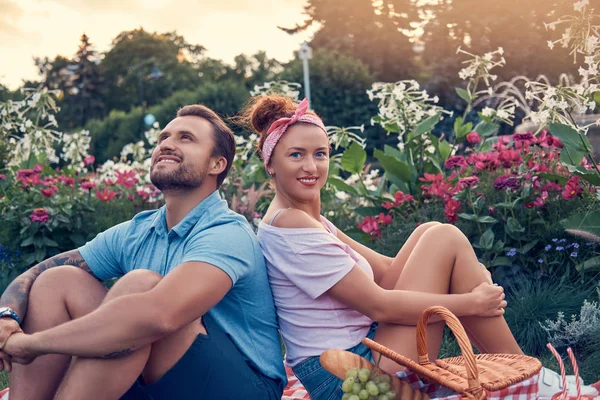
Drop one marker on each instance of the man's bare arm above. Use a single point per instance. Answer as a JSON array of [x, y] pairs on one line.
[[16, 295]]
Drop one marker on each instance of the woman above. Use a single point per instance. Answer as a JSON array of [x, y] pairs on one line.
[[329, 289]]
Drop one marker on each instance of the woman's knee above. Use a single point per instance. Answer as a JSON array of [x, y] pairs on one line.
[[445, 234]]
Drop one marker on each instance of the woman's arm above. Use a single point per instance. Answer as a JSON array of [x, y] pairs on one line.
[[379, 263], [404, 307]]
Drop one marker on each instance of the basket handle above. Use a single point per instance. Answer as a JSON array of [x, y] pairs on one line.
[[457, 329]]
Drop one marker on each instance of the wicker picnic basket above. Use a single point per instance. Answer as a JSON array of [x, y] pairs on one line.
[[469, 375]]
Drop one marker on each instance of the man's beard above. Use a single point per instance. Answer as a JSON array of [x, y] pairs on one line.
[[180, 178]]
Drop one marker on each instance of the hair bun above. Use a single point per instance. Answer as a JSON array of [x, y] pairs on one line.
[[267, 109]]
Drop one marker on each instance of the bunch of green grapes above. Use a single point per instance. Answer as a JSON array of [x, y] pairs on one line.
[[362, 384]]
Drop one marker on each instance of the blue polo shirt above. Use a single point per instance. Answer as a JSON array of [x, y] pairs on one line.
[[213, 234]]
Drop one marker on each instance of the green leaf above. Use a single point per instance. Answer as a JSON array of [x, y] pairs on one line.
[[528, 246], [514, 226], [588, 222], [399, 183], [498, 246], [487, 220], [505, 261], [571, 156], [393, 152], [341, 185], [49, 242], [486, 129], [393, 166], [427, 125], [560, 179], [589, 175], [591, 264], [468, 217], [570, 137], [486, 241], [445, 149], [40, 254], [463, 94], [27, 242], [354, 158], [369, 211]]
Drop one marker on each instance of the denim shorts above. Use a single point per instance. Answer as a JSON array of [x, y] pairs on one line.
[[320, 384], [212, 368]]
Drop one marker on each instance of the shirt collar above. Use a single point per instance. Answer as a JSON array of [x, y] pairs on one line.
[[184, 226]]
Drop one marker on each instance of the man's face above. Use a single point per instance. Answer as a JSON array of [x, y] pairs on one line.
[[182, 156]]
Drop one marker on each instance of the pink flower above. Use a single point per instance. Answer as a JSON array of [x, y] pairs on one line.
[[572, 188], [38, 168], [473, 138], [523, 137], [48, 192], [371, 226], [39, 215], [88, 185], [384, 219], [105, 195], [469, 181], [89, 160], [2, 177]]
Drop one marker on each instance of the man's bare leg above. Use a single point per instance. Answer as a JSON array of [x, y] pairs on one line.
[[59, 295], [110, 378]]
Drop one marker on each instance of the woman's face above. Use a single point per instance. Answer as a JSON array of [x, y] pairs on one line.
[[300, 162]]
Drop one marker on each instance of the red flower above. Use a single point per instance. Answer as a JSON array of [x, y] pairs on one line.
[[507, 182], [108, 182], [469, 181], [384, 219], [371, 226], [572, 188], [89, 160], [523, 137], [455, 161], [48, 192], [473, 138], [105, 195], [450, 210], [431, 177], [39, 215], [38, 168], [127, 179]]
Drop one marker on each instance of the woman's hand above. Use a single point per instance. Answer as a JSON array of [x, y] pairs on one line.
[[489, 300]]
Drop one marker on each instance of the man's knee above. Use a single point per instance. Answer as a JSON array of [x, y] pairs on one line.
[[136, 281], [58, 278]]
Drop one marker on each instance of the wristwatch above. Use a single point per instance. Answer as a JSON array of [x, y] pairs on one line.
[[9, 312]]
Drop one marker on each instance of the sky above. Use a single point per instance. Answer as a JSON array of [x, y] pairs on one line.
[[226, 28]]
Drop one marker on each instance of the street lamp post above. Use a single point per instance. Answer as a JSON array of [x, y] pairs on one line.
[[305, 55]]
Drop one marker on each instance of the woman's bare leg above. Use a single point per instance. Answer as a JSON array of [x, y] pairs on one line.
[[443, 261], [390, 278]]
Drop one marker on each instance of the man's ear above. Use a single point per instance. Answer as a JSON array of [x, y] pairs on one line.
[[217, 165]]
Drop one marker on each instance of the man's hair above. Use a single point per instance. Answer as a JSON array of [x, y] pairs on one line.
[[222, 135]]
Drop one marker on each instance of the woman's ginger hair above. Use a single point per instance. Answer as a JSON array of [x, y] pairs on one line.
[[261, 111]]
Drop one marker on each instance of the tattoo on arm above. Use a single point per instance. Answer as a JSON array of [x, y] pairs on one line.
[[16, 295], [120, 353]]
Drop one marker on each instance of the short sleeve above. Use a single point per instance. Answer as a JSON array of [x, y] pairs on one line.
[[103, 253], [319, 265], [228, 247]]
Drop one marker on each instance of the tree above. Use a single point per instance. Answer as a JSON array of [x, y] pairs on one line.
[[86, 85], [143, 68], [339, 86], [359, 29]]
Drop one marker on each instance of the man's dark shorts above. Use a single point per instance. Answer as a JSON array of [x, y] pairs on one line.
[[212, 368]]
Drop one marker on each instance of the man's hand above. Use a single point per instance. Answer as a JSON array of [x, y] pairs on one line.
[[8, 326], [20, 347]]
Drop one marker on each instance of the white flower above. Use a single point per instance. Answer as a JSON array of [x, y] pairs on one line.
[[578, 6], [488, 112], [550, 44]]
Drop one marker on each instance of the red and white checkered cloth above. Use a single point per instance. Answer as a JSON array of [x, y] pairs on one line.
[[525, 390], [294, 389]]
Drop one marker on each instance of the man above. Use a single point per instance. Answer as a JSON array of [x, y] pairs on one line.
[[192, 315]]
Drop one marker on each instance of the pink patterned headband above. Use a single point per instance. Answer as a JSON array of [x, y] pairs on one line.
[[279, 127]]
